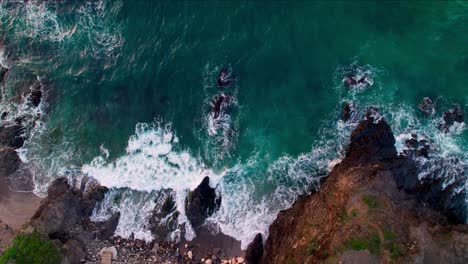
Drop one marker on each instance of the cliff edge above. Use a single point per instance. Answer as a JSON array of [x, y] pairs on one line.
[[363, 214]]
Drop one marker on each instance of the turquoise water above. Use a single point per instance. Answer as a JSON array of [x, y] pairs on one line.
[[111, 65]]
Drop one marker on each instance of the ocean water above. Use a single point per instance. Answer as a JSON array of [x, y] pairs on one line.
[[129, 87]]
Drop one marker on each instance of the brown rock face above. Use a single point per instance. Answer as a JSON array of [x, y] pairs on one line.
[[359, 215]]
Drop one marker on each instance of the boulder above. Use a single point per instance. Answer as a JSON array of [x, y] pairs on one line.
[[254, 251], [201, 203]]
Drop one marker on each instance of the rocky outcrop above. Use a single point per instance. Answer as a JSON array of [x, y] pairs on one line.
[[371, 141], [362, 215], [164, 218], [201, 203], [12, 135], [450, 117], [63, 208], [3, 73], [349, 112]]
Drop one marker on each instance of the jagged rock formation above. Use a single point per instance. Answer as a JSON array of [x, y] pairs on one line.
[[164, 218], [450, 117], [201, 203], [361, 214]]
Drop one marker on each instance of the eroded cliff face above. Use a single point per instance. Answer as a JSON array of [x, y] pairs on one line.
[[360, 215]]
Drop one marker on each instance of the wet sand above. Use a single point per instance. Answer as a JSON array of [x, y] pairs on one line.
[[16, 208]]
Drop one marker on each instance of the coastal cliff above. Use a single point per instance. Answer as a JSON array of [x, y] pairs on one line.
[[364, 214]]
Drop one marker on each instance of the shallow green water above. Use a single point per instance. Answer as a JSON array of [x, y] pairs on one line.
[[115, 64]]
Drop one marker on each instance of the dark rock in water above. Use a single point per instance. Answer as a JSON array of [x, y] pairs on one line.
[[254, 251], [427, 106], [89, 199], [225, 78], [348, 112], [3, 73], [451, 116], [36, 95], [107, 228], [371, 141], [201, 203], [357, 78], [219, 102], [4, 115], [164, 218], [11, 135], [9, 161], [417, 147]]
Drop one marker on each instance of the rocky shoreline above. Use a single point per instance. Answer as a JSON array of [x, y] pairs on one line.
[[372, 208], [366, 213]]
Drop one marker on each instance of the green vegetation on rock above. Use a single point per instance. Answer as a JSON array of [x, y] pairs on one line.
[[370, 201], [396, 250], [31, 248], [389, 235], [313, 246], [372, 243]]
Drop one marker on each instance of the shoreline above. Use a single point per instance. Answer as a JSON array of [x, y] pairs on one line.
[[16, 208]]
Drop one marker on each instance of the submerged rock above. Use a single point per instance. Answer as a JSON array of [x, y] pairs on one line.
[[357, 77], [36, 94], [225, 78], [201, 203], [3, 73], [254, 251], [349, 112], [427, 106], [219, 102], [417, 147], [450, 117], [12, 135]]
